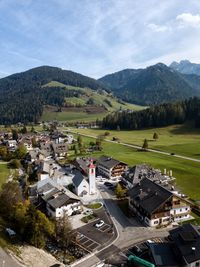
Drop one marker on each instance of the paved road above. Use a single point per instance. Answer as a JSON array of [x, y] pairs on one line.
[[6, 260], [139, 147], [130, 232]]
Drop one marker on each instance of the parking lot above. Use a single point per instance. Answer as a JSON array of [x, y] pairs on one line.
[[88, 244], [91, 237]]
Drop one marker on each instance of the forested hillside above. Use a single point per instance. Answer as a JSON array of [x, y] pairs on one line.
[[154, 85], [22, 95], [156, 116]]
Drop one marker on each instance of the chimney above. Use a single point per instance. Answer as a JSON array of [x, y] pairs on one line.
[[140, 190], [165, 171], [170, 173]]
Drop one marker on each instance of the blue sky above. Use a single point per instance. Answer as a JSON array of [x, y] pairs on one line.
[[97, 37]]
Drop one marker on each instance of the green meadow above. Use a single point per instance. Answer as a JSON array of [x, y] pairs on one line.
[[178, 139], [187, 172]]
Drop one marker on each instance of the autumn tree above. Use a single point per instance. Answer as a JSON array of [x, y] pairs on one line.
[[10, 195], [64, 234], [119, 191], [20, 152], [38, 227]]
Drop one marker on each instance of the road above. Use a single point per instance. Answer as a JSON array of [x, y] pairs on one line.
[[130, 232], [139, 147], [6, 260]]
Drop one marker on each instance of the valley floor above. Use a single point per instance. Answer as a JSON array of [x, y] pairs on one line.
[[178, 139]]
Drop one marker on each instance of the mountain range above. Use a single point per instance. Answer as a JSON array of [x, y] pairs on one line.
[[23, 96], [186, 67], [153, 85]]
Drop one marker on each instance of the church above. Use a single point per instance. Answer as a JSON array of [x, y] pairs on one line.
[[85, 183]]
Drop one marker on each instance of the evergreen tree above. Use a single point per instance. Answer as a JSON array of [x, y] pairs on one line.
[[145, 144], [155, 136]]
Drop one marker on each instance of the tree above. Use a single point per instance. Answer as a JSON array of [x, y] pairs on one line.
[[107, 133], [15, 164], [145, 144], [10, 195], [20, 152], [38, 227], [76, 150], [15, 134], [155, 136], [64, 234], [24, 130], [119, 191], [34, 142], [32, 129]]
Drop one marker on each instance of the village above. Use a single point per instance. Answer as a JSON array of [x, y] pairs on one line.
[[87, 190]]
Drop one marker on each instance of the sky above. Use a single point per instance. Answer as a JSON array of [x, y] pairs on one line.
[[97, 37]]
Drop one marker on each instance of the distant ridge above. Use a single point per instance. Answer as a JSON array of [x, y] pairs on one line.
[[154, 85], [186, 67]]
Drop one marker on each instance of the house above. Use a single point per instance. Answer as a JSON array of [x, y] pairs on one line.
[[110, 167], [155, 205], [182, 250], [186, 240], [135, 174], [44, 171], [59, 149], [11, 144], [57, 199], [46, 147], [82, 164]]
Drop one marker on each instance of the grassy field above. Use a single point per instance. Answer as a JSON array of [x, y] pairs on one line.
[[100, 98], [179, 139], [4, 172], [187, 173], [71, 116]]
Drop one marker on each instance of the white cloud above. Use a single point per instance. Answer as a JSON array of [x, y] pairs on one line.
[[157, 28], [187, 19]]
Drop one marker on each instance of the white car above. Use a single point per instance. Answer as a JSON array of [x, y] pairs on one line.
[[99, 224]]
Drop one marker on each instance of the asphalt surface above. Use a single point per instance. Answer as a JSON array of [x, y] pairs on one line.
[[139, 147], [130, 232], [6, 260]]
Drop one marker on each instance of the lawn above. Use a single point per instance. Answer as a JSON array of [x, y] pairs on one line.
[[179, 139], [4, 172], [187, 173]]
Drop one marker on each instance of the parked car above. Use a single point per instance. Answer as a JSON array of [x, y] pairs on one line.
[[99, 224], [108, 184]]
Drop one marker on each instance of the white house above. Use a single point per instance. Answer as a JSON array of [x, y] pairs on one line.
[[59, 200]]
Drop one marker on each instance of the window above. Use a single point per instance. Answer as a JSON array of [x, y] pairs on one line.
[[180, 209], [156, 222], [197, 263]]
